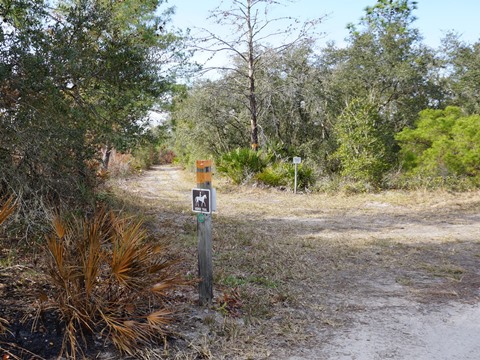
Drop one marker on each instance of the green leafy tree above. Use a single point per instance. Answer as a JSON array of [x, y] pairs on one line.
[[363, 151], [462, 64], [209, 121], [443, 143], [250, 29], [212, 118], [128, 45], [75, 76], [291, 113], [385, 57]]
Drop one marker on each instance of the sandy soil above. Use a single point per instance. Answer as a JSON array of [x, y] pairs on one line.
[[385, 276]]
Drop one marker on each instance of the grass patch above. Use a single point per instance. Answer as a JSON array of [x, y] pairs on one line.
[[447, 271], [234, 281]]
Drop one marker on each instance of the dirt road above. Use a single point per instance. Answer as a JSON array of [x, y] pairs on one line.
[[311, 276]]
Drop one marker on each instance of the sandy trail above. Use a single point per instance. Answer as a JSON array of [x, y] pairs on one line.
[[387, 317]]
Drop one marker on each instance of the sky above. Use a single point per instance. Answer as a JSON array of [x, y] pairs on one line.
[[434, 17]]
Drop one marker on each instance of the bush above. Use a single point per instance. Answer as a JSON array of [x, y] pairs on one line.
[[242, 164], [166, 156], [363, 138], [283, 174], [6, 209], [107, 280], [144, 157], [444, 144], [274, 175], [305, 176]]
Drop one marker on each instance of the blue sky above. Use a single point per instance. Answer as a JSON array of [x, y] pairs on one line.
[[434, 16]]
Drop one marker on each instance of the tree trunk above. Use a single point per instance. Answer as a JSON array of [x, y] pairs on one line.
[[251, 80], [106, 156]]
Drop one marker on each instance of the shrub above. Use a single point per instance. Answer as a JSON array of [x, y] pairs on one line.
[[166, 156], [305, 176], [443, 144], [144, 157], [242, 164], [107, 280], [6, 209], [363, 139], [283, 174], [274, 175]]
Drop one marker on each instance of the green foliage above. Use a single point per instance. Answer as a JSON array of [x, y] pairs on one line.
[[75, 76], [463, 62], [384, 60], [306, 177], [362, 152], [144, 157], [152, 149], [242, 164], [387, 13], [107, 280], [275, 175], [282, 173], [208, 122], [444, 143]]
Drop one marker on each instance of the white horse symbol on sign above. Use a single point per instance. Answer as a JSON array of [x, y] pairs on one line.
[[200, 200]]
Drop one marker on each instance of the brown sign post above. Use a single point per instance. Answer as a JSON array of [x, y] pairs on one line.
[[204, 230]]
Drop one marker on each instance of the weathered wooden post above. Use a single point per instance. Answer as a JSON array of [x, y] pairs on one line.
[[203, 199]]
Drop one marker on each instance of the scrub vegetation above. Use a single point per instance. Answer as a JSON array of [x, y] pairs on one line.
[[95, 93]]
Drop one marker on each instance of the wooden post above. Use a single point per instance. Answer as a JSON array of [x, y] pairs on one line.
[[204, 234]]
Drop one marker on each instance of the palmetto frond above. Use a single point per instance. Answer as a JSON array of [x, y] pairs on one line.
[[104, 273]]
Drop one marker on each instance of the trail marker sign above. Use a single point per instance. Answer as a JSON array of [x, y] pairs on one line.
[[201, 201]]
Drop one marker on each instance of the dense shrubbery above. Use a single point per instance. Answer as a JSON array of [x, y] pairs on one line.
[[242, 164], [443, 144], [282, 174], [245, 165], [363, 151], [75, 77]]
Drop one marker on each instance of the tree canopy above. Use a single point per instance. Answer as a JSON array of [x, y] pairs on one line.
[[76, 75], [339, 107]]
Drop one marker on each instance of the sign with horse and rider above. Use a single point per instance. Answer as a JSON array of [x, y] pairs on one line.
[[201, 201]]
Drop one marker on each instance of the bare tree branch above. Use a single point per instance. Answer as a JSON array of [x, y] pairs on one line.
[[252, 28]]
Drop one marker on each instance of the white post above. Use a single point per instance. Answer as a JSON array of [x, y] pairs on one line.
[[295, 187], [296, 160]]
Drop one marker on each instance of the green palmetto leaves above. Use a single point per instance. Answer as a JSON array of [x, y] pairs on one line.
[[107, 280]]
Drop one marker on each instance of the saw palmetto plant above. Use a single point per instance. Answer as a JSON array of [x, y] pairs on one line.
[[7, 207], [109, 281]]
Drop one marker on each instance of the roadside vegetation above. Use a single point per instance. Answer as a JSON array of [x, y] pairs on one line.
[[382, 112], [81, 80]]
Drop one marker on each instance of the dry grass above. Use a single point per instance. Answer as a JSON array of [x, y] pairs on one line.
[[287, 267]]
